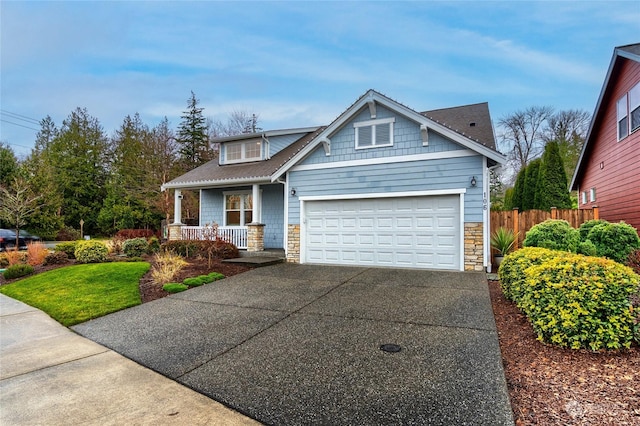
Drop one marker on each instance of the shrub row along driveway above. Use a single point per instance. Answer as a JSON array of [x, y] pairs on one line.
[[300, 344]]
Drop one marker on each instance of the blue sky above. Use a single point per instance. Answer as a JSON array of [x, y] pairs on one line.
[[298, 64]]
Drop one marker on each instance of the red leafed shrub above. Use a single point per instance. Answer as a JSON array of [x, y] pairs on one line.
[[633, 261], [129, 234]]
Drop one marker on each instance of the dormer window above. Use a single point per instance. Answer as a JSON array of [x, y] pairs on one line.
[[239, 152], [374, 133]]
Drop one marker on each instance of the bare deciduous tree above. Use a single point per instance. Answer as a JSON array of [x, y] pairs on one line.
[[17, 204], [568, 128], [521, 136]]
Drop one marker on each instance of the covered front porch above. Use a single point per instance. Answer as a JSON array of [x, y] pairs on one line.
[[250, 217]]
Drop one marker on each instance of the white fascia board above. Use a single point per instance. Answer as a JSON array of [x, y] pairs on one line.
[[284, 132], [454, 191], [387, 160], [215, 183]]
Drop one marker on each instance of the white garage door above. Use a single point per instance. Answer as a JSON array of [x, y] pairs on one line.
[[411, 232]]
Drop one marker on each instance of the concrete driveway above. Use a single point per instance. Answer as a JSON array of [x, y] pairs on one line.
[[300, 344]]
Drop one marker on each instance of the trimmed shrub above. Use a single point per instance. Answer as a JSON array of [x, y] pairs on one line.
[[135, 247], [174, 287], [214, 276], [129, 234], [633, 261], [56, 258], [154, 245], [553, 234], [579, 301], [91, 251], [17, 271], [68, 247], [586, 227], [614, 240], [587, 248], [195, 281], [68, 234], [217, 249], [511, 271]]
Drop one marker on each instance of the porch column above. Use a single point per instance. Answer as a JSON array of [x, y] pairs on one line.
[[177, 209], [257, 204]]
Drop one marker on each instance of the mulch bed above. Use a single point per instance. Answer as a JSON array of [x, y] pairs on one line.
[[555, 386]]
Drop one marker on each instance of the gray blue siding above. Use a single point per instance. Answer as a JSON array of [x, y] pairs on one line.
[[278, 143], [212, 210]]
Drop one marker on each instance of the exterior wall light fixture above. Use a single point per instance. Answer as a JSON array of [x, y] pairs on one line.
[[473, 181]]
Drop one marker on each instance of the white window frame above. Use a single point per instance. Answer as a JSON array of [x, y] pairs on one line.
[[622, 112], [243, 195], [243, 153], [592, 195], [584, 197], [634, 104], [373, 124]]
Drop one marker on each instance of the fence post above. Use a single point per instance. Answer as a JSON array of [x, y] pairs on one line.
[[596, 213], [554, 213], [515, 227]]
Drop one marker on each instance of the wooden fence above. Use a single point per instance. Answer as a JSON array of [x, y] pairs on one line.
[[521, 222]]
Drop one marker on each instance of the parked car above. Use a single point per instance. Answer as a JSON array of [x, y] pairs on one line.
[[8, 240], [29, 237]]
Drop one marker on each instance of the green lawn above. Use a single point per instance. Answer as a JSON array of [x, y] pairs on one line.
[[78, 293]]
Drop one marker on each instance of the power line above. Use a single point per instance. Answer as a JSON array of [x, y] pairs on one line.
[[17, 144], [15, 116], [16, 124]]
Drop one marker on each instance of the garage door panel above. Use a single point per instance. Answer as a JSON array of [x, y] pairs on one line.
[[413, 232]]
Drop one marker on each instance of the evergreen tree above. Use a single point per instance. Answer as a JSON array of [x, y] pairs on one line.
[[508, 199], [552, 190], [518, 189], [193, 135], [8, 165], [530, 185], [78, 155]]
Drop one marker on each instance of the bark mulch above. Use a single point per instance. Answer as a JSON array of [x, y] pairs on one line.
[[554, 386]]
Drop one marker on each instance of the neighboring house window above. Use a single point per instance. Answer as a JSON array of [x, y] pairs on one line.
[[623, 118], [237, 152], [592, 195], [238, 209], [634, 107], [374, 133], [584, 197]]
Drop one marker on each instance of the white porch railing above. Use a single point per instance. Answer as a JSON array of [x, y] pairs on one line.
[[236, 235]]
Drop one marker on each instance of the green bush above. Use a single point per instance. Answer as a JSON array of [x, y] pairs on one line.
[[68, 234], [174, 287], [579, 301], [511, 271], [214, 276], [154, 245], [56, 258], [587, 248], [68, 247], [614, 240], [91, 251], [195, 281], [17, 271], [553, 234], [135, 247], [587, 226]]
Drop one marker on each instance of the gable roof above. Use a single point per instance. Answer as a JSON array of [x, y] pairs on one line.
[[453, 123], [631, 52], [459, 114]]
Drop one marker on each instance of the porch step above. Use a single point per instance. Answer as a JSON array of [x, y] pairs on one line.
[[256, 261], [265, 253]]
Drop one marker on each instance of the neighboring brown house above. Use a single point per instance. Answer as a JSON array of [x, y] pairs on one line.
[[608, 171]]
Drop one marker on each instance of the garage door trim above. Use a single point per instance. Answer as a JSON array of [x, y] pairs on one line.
[[457, 191]]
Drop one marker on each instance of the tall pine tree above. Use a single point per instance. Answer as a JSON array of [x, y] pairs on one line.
[[193, 135], [530, 184]]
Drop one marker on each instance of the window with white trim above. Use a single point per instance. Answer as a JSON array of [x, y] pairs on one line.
[[584, 197], [628, 112], [592, 195], [374, 133], [238, 209], [634, 107], [237, 152]]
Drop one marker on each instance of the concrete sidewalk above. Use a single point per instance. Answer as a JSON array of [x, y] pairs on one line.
[[50, 375]]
